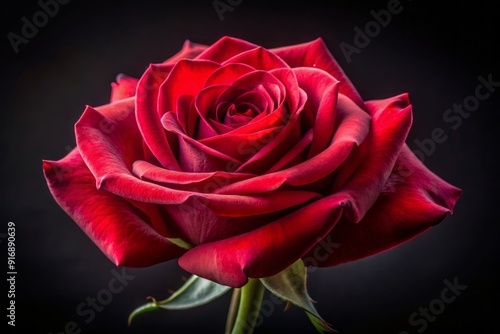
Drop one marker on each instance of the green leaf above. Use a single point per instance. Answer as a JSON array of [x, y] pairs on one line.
[[290, 285], [142, 309], [195, 292]]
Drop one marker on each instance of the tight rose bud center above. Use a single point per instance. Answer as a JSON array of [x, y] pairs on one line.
[[237, 107]]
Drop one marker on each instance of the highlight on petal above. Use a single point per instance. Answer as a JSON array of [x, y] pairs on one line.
[[108, 137], [127, 235], [365, 172], [176, 88], [110, 156], [189, 50], [258, 58], [351, 129], [194, 156], [227, 74], [295, 95], [316, 54], [177, 94], [225, 48], [123, 88], [148, 116], [148, 171], [320, 109], [233, 260]]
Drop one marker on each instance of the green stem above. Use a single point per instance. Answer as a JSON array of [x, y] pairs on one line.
[[233, 310], [248, 311]]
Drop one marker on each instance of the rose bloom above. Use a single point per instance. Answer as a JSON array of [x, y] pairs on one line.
[[239, 160]]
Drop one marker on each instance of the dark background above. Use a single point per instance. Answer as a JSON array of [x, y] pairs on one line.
[[433, 51]]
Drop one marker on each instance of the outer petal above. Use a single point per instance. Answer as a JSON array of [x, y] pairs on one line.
[[126, 86], [148, 118], [264, 251], [364, 174], [316, 54], [225, 48], [258, 58], [189, 50], [180, 88], [414, 199], [110, 143], [227, 74], [123, 88], [126, 234]]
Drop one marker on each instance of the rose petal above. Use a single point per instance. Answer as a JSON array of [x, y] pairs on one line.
[[365, 172], [227, 74], [128, 236], [262, 155], [148, 116], [250, 104], [146, 170], [219, 127], [322, 91], [295, 96], [189, 50], [262, 81], [231, 261], [177, 88], [225, 48], [110, 155], [236, 120], [194, 156], [198, 224], [109, 127], [316, 54], [352, 127], [123, 88], [258, 58], [414, 200], [239, 146], [294, 153], [206, 106]]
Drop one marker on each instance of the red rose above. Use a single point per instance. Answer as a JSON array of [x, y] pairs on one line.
[[239, 160]]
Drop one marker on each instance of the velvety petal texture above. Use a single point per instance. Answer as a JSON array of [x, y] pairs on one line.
[[253, 157], [413, 200], [129, 233]]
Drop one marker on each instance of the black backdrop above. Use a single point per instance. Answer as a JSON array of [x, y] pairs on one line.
[[436, 52]]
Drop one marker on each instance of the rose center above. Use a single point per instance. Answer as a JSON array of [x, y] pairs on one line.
[[240, 109]]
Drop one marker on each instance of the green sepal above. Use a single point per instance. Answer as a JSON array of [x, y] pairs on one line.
[[181, 243], [290, 285], [195, 292], [321, 325]]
